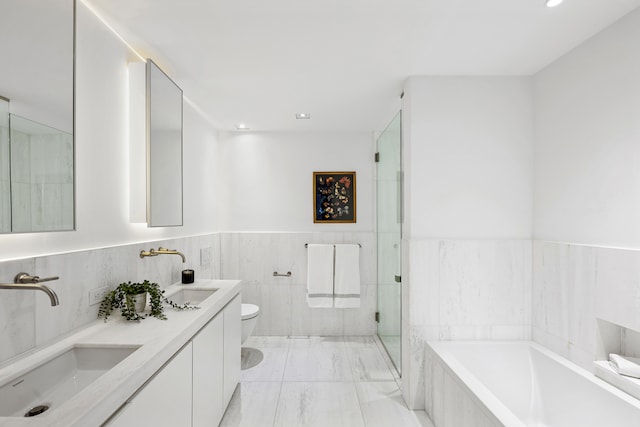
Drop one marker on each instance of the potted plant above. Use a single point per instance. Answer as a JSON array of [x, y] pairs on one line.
[[130, 299]]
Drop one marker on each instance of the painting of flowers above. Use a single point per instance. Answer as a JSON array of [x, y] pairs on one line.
[[334, 197]]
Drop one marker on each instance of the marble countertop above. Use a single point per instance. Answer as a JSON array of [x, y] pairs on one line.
[[158, 341]]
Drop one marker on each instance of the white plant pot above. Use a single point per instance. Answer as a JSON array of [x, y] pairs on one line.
[[139, 301]]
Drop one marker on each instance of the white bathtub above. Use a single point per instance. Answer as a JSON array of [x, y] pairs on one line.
[[519, 383]]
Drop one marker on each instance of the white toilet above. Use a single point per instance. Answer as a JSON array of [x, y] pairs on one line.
[[250, 314]]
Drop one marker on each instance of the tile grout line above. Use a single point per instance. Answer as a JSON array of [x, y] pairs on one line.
[[364, 422], [275, 414]]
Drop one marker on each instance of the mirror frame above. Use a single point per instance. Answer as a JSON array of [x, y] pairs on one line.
[[74, 31]]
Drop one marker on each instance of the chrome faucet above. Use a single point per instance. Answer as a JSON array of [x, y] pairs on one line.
[[26, 281], [162, 251]]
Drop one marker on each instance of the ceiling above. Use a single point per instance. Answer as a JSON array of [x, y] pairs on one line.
[[343, 61]]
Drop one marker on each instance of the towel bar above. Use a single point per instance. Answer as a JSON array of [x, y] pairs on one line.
[[276, 274], [306, 245]]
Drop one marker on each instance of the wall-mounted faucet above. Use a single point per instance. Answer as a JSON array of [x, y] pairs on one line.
[[26, 281], [162, 251]]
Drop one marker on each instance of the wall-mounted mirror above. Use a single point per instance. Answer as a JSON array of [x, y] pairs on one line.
[[164, 149], [36, 125], [5, 170]]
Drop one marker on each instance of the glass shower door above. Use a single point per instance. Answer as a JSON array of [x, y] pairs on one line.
[[389, 248]]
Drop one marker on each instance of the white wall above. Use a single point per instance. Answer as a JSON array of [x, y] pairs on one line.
[[268, 178], [587, 154], [102, 153], [587, 187], [469, 162], [267, 207], [468, 165]]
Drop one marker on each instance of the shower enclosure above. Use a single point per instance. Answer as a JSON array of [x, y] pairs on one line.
[[389, 232]]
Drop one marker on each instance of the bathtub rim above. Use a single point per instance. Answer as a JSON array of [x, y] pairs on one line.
[[490, 404]]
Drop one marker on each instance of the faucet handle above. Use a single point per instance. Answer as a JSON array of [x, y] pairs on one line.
[[27, 278]]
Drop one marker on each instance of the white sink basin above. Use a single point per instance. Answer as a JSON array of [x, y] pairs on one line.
[[192, 296], [53, 382]]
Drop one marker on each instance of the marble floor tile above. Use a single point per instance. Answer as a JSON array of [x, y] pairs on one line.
[[317, 342], [318, 404], [383, 406], [317, 360], [367, 364], [318, 381], [318, 364], [263, 364], [260, 342], [253, 404]]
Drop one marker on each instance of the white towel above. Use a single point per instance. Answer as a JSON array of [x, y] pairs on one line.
[[623, 365], [347, 276], [320, 275]]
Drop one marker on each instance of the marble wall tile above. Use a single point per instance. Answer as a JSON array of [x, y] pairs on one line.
[[79, 272], [17, 311], [301, 319], [216, 243], [275, 310], [361, 321], [471, 289], [327, 321], [229, 255], [27, 319], [390, 308], [254, 250], [565, 287], [618, 287], [368, 254], [299, 256], [630, 343], [159, 269], [527, 293], [582, 302], [481, 282], [278, 257], [413, 376], [425, 289], [460, 290], [550, 288], [253, 257]]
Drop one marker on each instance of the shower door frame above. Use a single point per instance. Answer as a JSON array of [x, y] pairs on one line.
[[381, 255]]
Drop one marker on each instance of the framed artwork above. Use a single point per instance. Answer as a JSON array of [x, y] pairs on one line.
[[334, 197]]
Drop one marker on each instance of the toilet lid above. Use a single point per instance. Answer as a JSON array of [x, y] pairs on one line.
[[249, 311]]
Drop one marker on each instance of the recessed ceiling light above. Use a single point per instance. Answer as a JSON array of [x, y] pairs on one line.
[[552, 3], [303, 116], [242, 126]]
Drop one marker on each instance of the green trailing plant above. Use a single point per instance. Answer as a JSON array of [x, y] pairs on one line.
[[121, 298]]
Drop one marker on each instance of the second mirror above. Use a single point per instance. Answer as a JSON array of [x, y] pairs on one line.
[[164, 149]]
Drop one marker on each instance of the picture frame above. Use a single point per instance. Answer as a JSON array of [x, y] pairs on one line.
[[334, 197]]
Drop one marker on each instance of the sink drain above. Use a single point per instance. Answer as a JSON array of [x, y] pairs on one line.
[[36, 410]]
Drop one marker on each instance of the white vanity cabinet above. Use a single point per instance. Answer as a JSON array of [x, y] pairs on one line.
[[208, 371], [194, 388], [232, 347], [165, 400]]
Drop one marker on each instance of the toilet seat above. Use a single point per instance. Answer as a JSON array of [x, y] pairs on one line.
[[249, 311]]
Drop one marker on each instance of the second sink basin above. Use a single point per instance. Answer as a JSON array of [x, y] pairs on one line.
[[54, 381], [192, 296]]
